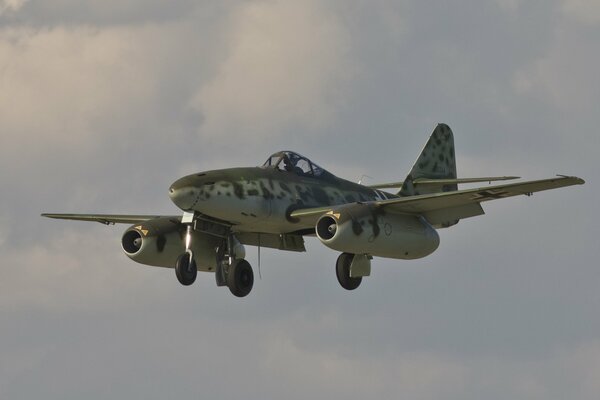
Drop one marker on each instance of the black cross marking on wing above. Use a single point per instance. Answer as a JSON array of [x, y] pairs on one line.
[[490, 194]]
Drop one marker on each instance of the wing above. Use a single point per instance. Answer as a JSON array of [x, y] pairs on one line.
[[443, 207], [108, 219], [424, 181], [289, 242]]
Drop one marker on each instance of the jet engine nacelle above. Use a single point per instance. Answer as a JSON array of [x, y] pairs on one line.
[[366, 229], [160, 241]]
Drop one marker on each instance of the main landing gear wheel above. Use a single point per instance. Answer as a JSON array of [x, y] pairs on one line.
[[185, 269], [342, 270], [240, 278]]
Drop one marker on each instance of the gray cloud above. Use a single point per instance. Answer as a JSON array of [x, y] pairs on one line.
[[103, 105]]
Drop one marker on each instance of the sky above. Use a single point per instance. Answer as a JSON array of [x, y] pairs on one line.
[[104, 104]]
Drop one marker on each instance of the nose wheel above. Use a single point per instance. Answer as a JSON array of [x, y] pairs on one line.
[[185, 269]]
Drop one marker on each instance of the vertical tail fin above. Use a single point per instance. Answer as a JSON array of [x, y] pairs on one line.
[[436, 161]]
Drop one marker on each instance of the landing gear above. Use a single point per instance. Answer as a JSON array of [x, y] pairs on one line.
[[235, 273], [185, 269], [342, 270], [231, 268], [240, 278]]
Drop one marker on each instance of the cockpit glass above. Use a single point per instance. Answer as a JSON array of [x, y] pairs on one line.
[[317, 171], [292, 162], [271, 161], [303, 166]]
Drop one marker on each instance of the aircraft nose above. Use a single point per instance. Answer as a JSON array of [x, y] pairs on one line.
[[182, 194]]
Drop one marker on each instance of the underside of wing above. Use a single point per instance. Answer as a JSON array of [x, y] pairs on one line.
[[107, 219]]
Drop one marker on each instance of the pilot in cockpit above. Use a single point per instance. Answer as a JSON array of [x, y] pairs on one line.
[[287, 164], [291, 162]]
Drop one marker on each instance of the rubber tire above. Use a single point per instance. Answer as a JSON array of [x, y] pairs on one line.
[[186, 273], [240, 278], [342, 270]]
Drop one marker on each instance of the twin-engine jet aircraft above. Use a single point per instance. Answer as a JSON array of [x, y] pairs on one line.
[[289, 197]]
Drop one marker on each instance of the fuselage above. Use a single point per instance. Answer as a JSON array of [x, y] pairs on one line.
[[260, 199]]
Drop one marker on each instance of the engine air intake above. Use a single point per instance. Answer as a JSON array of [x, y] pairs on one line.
[[131, 241], [326, 228]]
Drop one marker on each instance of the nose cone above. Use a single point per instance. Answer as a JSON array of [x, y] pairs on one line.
[[182, 194]]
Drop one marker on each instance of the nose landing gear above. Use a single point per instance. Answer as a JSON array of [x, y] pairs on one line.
[[185, 267], [232, 269]]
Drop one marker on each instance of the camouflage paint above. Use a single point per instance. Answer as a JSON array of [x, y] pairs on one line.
[[260, 199], [436, 161]]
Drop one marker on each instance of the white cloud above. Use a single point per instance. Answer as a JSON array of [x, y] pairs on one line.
[[286, 66], [68, 89], [7, 6]]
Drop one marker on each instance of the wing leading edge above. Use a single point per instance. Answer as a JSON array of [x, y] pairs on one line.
[[424, 181], [108, 219], [445, 206]]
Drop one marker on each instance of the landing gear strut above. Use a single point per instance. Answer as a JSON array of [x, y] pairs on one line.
[[185, 267], [342, 270]]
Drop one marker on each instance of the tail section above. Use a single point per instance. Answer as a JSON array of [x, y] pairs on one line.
[[436, 161]]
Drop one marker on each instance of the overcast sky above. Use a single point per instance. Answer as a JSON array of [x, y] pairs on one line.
[[104, 104]]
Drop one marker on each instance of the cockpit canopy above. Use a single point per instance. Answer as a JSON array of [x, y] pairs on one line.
[[293, 162]]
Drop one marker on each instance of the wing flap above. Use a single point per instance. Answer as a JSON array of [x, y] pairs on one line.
[[107, 219]]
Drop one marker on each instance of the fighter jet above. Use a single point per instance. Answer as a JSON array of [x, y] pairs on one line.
[[289, 197]]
